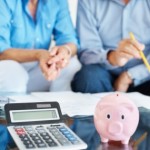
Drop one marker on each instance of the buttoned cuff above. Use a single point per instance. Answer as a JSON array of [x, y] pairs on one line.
[[96, 57], [139, 74]]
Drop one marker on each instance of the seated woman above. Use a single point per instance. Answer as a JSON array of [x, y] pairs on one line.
[[26, 28], [111, 60]]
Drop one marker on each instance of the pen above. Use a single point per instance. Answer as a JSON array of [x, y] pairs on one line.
[[141, 53], [139, 140]]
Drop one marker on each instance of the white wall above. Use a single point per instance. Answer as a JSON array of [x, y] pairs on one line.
[[73, 9]]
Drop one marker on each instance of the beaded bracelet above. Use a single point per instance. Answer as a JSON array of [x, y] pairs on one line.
[[69, 50]]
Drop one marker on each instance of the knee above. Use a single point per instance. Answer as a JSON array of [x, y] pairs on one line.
[[92, 79], [13, 77]]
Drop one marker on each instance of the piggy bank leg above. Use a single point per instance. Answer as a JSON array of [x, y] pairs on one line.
[[104, 140], [126, 141]]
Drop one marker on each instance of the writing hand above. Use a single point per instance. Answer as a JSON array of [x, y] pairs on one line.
[[127, 50]]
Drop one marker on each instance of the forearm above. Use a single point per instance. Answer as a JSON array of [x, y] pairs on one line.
[[72, 47], [111, 59], [20, 55], [96, 56], [139, 74]]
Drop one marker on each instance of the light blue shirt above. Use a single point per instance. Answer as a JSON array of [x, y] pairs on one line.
[[19, 30], [102, 24]]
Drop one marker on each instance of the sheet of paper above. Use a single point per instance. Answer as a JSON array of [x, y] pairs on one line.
[[24, 98], [75, 104], [71, 103], [84, 104]]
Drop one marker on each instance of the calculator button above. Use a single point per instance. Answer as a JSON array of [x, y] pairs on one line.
[[59, 136], [34, 135], [72, 139], [39, 127], [46, 137], [38, 141], [31, 132], [44, 134], [56, 133], [23, 136], [30, 146], [62, 129], [36, 138], [41, 131], [48, 140], [65, 132], [64, 142], [20, 131], [55, 125], [25, 139], [28, 128], [52, 129], [41, 145], [17, 127], [52, 144], [27, 142], [75, 142], [69, 135]]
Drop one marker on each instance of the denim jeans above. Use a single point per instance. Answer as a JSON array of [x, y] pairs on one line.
[[95, 79], [5, 138], [92, 79]]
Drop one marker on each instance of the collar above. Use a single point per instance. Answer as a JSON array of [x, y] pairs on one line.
[[25, 2], [119, 1]]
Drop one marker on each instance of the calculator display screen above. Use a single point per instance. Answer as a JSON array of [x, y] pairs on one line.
[[34, 115]]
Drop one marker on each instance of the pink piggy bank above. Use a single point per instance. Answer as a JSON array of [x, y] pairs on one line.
[[116, 118]]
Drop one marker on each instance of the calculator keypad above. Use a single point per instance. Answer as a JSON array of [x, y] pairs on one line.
[[42, 136]]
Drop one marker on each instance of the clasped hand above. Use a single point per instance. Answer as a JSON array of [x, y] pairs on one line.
[[52, 62]]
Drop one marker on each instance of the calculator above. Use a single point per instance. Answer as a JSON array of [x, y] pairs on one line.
[[39, 126]]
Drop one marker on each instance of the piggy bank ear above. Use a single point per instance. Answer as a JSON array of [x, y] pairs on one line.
[[104, 106], [128, 106]]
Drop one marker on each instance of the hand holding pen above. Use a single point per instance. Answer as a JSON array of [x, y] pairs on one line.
[[141, 53], [126, 50]]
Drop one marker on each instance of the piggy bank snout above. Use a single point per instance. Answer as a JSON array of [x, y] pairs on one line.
[[115, 128]]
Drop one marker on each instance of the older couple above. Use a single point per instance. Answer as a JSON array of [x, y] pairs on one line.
[[110, 59]]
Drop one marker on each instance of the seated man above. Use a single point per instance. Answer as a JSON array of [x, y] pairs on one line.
[[111, 60], [26, 28]]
